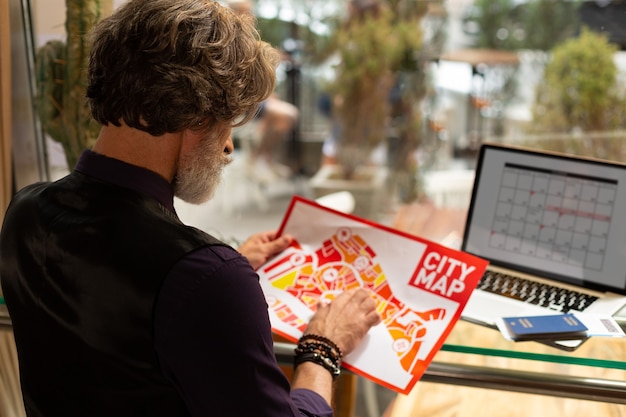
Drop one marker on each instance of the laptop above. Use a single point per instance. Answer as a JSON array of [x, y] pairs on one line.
[[553, 227]]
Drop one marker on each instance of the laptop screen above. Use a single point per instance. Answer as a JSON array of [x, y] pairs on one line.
[[552, 215]]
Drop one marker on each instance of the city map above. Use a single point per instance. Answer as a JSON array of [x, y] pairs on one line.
[[419, 287]]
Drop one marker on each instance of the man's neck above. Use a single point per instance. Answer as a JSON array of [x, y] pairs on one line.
[[156, 153]]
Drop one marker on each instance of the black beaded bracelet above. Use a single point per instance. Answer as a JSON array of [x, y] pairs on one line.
[[318, 359]]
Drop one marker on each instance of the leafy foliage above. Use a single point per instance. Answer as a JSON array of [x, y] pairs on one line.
[[548, 23], [513, 25], [580, 88], [373, 47]]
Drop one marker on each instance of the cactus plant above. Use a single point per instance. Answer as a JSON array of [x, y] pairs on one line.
[[61, 81]]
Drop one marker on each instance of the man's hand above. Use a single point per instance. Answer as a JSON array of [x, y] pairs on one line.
[[347, 319], [260, 247]]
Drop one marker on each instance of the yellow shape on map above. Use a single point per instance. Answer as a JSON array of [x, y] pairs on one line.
[[286, 280]]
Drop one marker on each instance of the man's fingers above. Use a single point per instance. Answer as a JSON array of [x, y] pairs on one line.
[[373, 318], [280, 243]]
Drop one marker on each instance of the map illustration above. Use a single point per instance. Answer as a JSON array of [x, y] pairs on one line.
[[343, 262], [419, 287]]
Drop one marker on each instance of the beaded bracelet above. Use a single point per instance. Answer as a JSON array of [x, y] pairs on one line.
[[318, 359], [321, 339], [319, 350]]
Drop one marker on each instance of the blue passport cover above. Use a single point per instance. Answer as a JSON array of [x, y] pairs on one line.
[[549, 326]]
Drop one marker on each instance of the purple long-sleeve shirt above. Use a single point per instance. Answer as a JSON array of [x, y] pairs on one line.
[[212, 331]]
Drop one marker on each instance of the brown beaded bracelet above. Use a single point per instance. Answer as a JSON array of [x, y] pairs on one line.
[[322, 339], [318, 347]]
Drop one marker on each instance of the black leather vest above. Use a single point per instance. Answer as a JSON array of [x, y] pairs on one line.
[[81, 264]]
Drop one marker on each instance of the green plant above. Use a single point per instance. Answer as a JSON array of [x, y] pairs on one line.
[[527, 24], [580, 89], [378, 51], [61, 82], [548, 23]]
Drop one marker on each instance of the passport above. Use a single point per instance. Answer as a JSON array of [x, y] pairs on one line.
[[555, 327]]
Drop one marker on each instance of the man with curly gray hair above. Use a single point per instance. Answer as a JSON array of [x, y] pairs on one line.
[[118, 308]]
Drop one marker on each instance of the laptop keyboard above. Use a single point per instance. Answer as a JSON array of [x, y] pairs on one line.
[[532, 292]]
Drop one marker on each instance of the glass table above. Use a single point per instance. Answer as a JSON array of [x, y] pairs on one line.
[[478, 356]]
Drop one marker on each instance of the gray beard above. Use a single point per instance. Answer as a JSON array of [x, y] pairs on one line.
[[200, 173]]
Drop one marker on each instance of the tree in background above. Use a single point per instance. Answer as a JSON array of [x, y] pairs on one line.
[[514, 25], [547, 23], [490, 23], [580, 89], [381, 50]]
